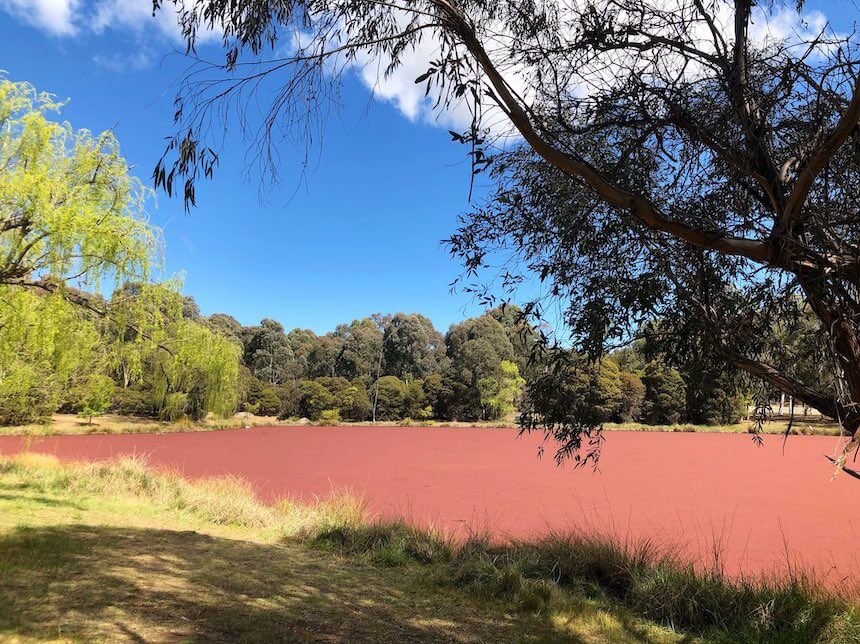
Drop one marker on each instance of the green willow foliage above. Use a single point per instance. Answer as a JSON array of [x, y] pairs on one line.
[[70, 211], [189, 369], [200, 376], [68, 205], [50, 349], [46, 346]]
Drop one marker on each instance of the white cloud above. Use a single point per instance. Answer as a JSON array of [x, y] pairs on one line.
[[70, 17], [768, 24], [73, 17], [785, 24], [123, 62], [400, 89], [136, 15], [128, 14], [54, 16]]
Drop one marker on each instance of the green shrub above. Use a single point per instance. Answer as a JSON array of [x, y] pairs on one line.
[[353, 401], [256, 396], [390, 398], [132, 402], [425, 413], [329, 417], [415, 399], [314, 398], [288, 393], [268, 403]]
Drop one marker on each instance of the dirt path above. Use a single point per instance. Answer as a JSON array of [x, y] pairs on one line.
[[760, 506]]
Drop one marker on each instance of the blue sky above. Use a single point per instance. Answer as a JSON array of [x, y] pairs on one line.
[[360, 234]]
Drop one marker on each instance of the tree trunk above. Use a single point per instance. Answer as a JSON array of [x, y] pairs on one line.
[[846, 345]]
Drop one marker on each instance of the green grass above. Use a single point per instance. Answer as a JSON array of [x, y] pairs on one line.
[[800, 426], [117, 551], [640, 578], [115, 424]]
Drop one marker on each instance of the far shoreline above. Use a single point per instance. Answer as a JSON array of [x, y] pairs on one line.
[[112, 424]]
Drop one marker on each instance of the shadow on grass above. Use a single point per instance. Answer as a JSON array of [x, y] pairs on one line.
[[41, 500], [21, 493], [109, 583]]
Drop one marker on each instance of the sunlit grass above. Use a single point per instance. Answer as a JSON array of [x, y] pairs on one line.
[[70, 424], [800, 426], [67, 424]]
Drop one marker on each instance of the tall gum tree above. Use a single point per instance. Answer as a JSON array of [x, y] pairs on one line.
[[671, 159]]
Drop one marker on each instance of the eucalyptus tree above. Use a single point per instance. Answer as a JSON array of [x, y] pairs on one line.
[[525, 339], [668, 159], [360, 349], [302, 342], [322, 357], [476, 347], [224, 324], [412, 348], [268, 352]]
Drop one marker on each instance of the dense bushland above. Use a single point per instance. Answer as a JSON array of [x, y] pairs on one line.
[[155, 355], [390, 367]]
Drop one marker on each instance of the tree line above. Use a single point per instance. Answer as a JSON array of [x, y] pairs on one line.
[[382, 367], [155, 355], [388, 367]]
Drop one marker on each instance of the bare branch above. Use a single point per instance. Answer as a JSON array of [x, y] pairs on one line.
[[842, 131]]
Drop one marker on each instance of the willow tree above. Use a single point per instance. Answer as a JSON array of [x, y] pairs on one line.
[[668, 159], [47, 349], [70, 211], [189, 369], [71, 215]]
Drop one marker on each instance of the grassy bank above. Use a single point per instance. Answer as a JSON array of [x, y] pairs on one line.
[[72, 425], [116, 550], [68, 424], [637, 578], [800, 426]]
